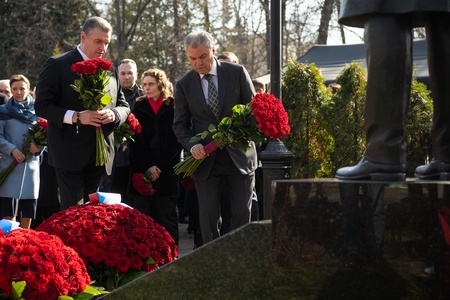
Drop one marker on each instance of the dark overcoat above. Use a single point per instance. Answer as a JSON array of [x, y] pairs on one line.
[[156, 145]]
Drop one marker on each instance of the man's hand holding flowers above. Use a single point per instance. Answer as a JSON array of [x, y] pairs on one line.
[[95, 117], [264, 117], [198, 151]]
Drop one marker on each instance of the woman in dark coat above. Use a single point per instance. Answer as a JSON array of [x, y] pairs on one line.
[[388, 39], [156, 149]]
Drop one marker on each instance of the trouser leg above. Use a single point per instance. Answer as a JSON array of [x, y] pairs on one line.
[[438, 41], [388, 42]]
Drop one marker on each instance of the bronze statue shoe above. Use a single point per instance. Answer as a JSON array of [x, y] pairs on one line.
[[366, 170], [434, 170]]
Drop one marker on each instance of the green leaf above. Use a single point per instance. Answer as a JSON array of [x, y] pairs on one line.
[[105, 100], [129, 276], [149, 261], [212, 128], [17, 288]]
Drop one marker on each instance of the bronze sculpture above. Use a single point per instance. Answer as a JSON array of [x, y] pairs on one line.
[[388, 41]]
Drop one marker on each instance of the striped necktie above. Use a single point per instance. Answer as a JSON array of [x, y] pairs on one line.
[[213, 96]]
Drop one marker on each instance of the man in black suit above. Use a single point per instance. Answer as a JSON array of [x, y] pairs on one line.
[[388, 39], [73, 152], [228, 168]]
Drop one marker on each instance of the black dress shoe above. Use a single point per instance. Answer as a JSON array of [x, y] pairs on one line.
[[366, 170], [434, 170]]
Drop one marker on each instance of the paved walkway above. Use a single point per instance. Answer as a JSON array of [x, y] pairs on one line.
[[186, 241]]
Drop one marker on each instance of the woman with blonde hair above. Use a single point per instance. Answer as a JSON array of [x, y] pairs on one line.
[[19, 191]]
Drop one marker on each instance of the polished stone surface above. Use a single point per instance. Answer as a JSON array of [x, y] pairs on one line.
[[359, 240], [234, 266], [328, 239]]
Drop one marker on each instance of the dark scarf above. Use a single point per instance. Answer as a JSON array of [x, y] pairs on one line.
[[22, 111]]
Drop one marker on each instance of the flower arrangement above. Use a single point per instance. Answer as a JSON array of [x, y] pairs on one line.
[[264, 117], [94, 76], [126, 131], [143, 184], [37, 265], [188, 183], [37, 134], [117, 243]]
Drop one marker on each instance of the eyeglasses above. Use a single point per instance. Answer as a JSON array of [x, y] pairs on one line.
[[6, 92]]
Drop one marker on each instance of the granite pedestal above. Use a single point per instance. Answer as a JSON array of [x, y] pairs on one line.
[[361, 240], [328, 239]]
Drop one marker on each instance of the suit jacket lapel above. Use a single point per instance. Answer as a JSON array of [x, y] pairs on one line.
[[197, 89], [223, 77]]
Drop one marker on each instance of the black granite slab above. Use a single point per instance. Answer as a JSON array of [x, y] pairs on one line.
[[328, 239], [234, 266], [360, 240]]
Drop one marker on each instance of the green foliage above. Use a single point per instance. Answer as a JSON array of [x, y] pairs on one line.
[[344, 116], [33, 29], [236, 131], [151, 33], [89, 292], [418, 139], [327, 131], [304, 96]]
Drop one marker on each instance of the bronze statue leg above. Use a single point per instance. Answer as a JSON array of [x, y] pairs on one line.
[[389, 72], [438, 41]]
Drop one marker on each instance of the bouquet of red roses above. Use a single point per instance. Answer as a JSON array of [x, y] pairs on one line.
[[125, 132], [37, 265], [94, 76], [117, 243], [143, 184], [37, 134], [264, 117]]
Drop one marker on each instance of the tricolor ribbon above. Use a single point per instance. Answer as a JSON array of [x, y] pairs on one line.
[[7, 225]]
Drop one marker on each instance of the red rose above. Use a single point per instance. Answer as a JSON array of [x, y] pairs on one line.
[[188, 183], [108, 250], [98, 256], [132, 245], [43, 123], [123, 264], [121, 249], [143, 251], [142, 184], [136, 262], [111, 259], [150, 267], [43, 262]]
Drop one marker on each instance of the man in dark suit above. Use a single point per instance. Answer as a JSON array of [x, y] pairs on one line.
[[71, 128], [224, 168], [388, 39]]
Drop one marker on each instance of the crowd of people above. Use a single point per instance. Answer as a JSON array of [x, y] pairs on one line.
[[221, 195]]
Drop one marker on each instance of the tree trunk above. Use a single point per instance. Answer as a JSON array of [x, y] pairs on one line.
[[176, 38], [266, 8], [327, 11]]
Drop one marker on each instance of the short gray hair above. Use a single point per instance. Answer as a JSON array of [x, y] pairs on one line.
[[96, 22], [198, 38]]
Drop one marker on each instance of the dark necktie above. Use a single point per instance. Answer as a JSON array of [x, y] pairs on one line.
[[213, 96]]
